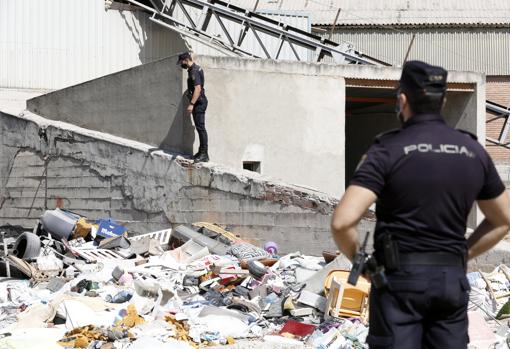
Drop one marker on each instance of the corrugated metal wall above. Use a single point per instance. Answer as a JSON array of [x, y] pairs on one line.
[[478, 49], [50, 44], [250, 43]]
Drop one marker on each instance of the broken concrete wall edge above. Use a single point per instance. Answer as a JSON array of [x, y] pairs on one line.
[[371, 72], [208, 175]]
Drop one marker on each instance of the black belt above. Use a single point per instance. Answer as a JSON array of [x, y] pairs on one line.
[[432, 258]]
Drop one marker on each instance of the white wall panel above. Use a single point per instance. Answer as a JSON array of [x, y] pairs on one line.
[[50, 44]]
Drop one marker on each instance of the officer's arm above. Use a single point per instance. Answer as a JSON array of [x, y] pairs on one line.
[[495, 226], [346, 217], [196, 94]]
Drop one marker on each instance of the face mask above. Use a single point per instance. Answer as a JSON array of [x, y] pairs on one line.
[[400, 117], [184, 66]]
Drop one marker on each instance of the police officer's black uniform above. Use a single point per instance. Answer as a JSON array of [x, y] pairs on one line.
[[426, 176], [196, 78]]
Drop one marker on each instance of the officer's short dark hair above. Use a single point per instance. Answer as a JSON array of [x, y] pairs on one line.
[[183, 56], [424, 86], [425, 102]]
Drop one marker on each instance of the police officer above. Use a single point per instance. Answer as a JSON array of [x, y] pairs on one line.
[[424, 178], [197, 102]]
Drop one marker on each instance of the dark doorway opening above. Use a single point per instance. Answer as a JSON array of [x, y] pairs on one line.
[[253, 166]]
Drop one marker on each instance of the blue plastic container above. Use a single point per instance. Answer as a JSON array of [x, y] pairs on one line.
[[108, 228]]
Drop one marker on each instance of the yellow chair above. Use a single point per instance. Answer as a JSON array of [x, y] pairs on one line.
[[345, 300]]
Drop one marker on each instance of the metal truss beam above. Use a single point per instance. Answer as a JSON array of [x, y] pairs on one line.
[[163, 12], [500, 112]]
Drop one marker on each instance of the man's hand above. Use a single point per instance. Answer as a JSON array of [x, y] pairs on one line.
[[189, 109], [495, 226]]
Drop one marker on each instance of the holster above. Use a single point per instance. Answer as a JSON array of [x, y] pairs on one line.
[[390, 252]]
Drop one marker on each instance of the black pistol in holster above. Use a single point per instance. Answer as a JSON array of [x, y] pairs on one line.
[[366, 263], [390, 252]]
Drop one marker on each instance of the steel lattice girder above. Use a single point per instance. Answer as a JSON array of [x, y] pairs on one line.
[[230, 42], [163, 14], [501, 112]]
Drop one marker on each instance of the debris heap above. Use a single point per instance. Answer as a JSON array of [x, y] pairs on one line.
[[73, 283]]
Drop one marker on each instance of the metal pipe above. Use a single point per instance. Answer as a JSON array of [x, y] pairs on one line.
[[409, 48], [334, 23]]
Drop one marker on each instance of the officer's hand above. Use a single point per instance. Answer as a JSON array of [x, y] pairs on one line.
[[189, 109]]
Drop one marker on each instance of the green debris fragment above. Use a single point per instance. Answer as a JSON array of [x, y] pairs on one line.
[[504, 312]]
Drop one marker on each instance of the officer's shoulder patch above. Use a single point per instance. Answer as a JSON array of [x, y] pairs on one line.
[[472, 135], [383, 135]]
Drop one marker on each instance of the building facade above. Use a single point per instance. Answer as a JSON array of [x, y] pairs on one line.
[[51, 44], [467, 35]]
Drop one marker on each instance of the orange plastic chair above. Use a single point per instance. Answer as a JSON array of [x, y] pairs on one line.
[[345, 300]]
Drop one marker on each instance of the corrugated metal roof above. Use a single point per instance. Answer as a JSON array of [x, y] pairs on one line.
[[393, 12], [479, 49]]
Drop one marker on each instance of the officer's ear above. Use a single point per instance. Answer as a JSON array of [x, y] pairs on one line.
[[402, 100]]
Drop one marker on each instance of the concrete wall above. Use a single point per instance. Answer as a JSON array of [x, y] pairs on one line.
[[44, 164], [142, 103], [290, 116], [292, 123], [14, 101]]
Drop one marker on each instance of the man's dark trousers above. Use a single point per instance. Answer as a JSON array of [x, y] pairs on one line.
[[426, 307], [199, 119]]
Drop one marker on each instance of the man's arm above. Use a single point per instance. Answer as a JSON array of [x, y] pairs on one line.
[[348, 213], [194, 98], [196, 94], [494, 227]]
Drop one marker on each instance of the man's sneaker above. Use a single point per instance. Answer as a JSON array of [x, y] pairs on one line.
[[196, 155], [203, 157]]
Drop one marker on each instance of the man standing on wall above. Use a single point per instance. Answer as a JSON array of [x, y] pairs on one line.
[[197, 102], [425, 178]]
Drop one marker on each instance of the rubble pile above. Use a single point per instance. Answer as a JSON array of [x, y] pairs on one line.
[[489, 308], [72, 283]]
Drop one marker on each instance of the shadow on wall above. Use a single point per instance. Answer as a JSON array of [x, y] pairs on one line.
[[139, 35], [181, 135], [151, 45]]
